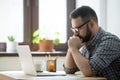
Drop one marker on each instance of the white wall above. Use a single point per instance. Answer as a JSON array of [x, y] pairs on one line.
[[113, 16], [13, 63], [103, 17]]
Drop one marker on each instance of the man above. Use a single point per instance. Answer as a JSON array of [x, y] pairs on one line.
[[92, 50]]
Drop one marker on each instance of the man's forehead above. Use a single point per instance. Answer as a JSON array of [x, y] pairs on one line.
[[76, 21]]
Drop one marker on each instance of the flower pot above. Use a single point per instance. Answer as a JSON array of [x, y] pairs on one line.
[[46, 46], [12, 46]]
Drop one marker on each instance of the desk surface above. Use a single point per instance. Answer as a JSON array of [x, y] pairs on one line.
[[19, 75]]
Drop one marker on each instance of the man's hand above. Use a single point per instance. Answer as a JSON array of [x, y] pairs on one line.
[[75, 42]]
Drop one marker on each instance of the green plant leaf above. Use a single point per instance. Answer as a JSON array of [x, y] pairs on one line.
[[44, 39], [56, 41], [11, 38], [36, 40], [36, 33]]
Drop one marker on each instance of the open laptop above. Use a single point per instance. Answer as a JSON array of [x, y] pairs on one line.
[[28, 64]]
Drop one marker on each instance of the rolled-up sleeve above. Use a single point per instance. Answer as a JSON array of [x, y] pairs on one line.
[[70, 71]]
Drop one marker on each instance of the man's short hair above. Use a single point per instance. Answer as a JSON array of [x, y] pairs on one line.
[[85, 12]]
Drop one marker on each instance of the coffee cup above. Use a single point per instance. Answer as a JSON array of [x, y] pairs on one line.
[[39, 65]]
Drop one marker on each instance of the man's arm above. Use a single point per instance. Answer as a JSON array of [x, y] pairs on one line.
[[69, 62], [81, 62], [74, 44], [69, 65]]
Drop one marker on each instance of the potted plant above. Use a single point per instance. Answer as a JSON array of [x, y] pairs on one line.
[[11, 44], [45, 44]]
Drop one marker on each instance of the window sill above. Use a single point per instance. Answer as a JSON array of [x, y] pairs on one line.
[[59, 53]]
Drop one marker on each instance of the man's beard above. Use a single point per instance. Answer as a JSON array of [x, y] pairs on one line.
[[88, 35]]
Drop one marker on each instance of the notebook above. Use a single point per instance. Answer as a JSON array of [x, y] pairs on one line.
[[27, 63]]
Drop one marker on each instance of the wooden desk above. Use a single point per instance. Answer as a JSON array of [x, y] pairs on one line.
[[19, 75]]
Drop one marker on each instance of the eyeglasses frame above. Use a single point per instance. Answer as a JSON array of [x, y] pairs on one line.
[[76, 29]]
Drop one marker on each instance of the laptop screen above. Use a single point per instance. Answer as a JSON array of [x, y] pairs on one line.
[[28, 64]]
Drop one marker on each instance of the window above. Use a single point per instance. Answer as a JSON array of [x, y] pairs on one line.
[[58, 22], [52, 18], [11, 19], [21, 18]]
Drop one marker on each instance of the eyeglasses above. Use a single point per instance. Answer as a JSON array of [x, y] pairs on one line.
[[77, 28]]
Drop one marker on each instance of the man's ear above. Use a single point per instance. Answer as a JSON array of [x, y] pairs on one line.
[[92, 23]]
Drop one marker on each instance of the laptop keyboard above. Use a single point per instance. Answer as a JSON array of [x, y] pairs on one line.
[[46, 73]]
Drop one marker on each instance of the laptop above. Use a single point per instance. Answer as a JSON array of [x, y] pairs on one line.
[[27, 63]]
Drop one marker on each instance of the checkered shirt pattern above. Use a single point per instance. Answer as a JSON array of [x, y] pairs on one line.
[[103, 51]]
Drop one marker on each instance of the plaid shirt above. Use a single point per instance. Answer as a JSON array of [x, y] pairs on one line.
[[103, 51]]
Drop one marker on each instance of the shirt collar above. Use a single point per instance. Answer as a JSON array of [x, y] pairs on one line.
[[96, 38]]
